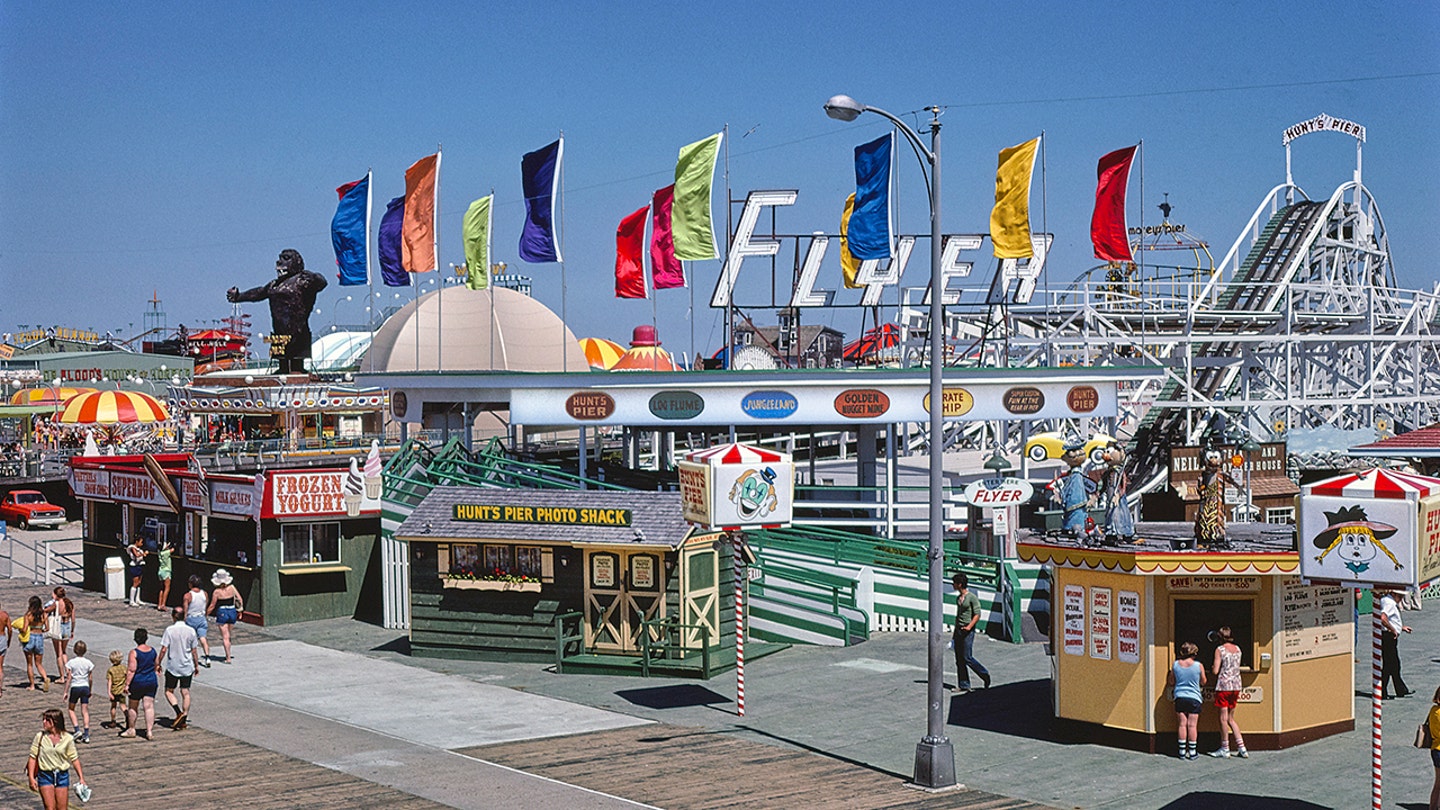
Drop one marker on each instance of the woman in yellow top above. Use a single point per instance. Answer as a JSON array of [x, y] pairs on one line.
[[52, 755], [1434, 721]]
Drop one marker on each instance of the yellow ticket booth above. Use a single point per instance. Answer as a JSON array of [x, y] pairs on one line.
[[1118, 616]]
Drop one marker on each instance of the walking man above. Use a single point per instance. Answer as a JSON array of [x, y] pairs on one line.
[[1390, 629], [180, 656], [967, 615]]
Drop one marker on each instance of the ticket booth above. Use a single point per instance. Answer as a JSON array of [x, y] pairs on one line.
[[1120, 615]]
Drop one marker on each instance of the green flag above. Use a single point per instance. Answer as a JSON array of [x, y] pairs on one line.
[[477, 243], [690, 220]]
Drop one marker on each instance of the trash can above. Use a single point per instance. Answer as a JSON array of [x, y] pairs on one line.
[[114, 578]]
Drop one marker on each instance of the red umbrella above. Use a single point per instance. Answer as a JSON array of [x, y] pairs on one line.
[[111, 407], [882, 337]]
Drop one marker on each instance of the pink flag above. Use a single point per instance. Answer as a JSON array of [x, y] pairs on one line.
[[629, 263], [1107, 224], [665, 270]]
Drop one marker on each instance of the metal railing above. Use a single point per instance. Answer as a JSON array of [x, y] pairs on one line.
[[29, 557]]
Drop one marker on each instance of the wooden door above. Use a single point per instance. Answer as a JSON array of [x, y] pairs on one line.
[[700, 597], [623, 589]]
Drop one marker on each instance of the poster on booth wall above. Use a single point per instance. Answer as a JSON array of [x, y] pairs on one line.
[[1100, 623], [1358, 540], [1428, 566], [1074, 620], [1127, 626]]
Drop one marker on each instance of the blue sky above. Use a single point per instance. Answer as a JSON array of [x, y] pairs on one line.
[[179, 147]]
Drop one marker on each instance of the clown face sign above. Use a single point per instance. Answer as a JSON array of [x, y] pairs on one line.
[[1366, 528], [737, 486]]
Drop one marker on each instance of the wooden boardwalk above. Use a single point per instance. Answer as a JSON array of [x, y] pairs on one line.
[[698, 769]]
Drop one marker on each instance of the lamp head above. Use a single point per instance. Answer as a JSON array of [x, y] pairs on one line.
[[997, 463], [843, 108]]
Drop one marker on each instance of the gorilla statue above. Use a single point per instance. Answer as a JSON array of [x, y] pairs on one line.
[[292, 297]]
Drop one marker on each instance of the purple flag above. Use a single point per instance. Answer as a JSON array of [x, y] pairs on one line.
[[540, 174], [390, 226]]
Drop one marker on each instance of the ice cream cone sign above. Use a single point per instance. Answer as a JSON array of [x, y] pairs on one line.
[[353, 490], [373, 480]]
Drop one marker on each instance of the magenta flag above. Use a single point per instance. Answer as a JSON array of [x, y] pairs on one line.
[[1107, 224], [629, 256], [666, 272]]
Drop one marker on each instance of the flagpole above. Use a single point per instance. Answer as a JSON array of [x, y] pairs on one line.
[[369, 266], [1044, 210], [560, 236], [440, 279], [1141, 241], [729, 301], [490, 274]]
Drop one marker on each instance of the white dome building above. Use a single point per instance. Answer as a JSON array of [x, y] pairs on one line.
[[460, 329]]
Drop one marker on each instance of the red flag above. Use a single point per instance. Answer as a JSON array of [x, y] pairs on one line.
[[665, 270], [1107, 224], [417, 243], [629, 265]]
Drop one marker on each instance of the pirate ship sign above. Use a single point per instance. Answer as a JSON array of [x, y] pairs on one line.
[[733, 486], [1377, 527]]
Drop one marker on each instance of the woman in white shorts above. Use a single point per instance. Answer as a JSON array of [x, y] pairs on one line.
[[196, 601]]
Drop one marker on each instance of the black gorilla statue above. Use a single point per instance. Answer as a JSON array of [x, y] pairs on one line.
[[292, 297]]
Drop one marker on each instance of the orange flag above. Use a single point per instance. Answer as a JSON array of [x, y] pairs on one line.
[[417, 242]]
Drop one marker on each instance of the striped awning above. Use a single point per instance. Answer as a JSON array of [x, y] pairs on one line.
[[735, 454], [113, 407], [1376, 483]]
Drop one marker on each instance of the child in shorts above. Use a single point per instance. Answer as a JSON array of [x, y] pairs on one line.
[[115, 675], [77, 681]]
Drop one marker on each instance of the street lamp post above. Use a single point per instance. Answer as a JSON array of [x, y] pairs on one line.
[[934, 755]]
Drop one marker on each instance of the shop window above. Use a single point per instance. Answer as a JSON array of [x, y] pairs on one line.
[[496, 562], [1282, 515], [310, 543]]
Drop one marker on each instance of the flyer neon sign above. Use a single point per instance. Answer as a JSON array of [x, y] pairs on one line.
[[874, 275]]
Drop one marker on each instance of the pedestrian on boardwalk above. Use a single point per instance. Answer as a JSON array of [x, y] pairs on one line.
[[32, 640], [115, 677], [61, 606], [967, 615], [195, 602], [1390, 629], [1227, 693], [1186, 678], [163, 555], [1433, 720], [226, 604], [52, 756], [140, 683], [77, 686], [5, 645], [135, 552], [180, 655]]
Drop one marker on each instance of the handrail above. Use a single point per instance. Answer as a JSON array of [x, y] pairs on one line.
[[563, 639], [668, 629]]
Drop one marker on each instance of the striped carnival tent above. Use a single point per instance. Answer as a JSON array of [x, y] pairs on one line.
[[600, 353], [47, 395], [1377, 483], [113, 407]]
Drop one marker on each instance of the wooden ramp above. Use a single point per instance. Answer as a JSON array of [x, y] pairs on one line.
[[698, 769]]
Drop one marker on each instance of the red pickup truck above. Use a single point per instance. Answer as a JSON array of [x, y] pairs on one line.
[[29, 509]]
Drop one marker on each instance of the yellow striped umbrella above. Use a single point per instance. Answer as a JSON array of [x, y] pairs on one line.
[[113, 407], [601, 353], [51, 395]]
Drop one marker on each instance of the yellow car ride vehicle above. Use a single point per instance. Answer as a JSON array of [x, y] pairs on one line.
[[1051, 444]]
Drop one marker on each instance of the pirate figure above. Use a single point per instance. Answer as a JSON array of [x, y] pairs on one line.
[[1115, 484], [292, 298], [1077, 491], [1210, 516]]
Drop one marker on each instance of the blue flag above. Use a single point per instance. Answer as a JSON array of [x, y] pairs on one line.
[[391, 224], [870, 232], [540, 173], [347, 232]]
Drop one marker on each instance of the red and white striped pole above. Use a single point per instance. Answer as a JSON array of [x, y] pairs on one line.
[[739, 560], [1375, 736]]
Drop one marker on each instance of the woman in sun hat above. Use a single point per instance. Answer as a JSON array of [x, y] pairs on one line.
[[225, 605]]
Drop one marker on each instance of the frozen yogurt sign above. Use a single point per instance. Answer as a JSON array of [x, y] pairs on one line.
[[316, 493]]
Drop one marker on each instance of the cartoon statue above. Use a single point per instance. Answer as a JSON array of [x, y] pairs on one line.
[[292, 297], [1116, 485], [1210, 517], [1077, 492], [1357, 538], [1092, 536]]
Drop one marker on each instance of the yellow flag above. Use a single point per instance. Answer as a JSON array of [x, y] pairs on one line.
[[848, 263], [1010, 221]]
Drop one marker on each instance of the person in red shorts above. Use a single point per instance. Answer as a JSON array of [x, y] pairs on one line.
[[1227, 693]]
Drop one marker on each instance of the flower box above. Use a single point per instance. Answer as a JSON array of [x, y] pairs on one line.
[[490, 585]]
